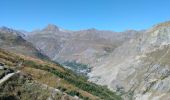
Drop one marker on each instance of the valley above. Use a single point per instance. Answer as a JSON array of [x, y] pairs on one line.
[[129, 65]]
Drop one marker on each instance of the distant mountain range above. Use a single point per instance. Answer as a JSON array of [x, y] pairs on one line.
[[133, 63]]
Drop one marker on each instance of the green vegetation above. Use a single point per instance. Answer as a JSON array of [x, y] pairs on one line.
[[21, 88], [77, 67], [80, 82], [70, 83]]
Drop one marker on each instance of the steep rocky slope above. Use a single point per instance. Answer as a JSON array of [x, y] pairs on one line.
[[140, 67]]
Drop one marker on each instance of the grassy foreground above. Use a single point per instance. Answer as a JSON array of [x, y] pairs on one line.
[[56, 76]]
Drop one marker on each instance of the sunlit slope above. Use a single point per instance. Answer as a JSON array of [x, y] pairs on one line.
[[53, 75]]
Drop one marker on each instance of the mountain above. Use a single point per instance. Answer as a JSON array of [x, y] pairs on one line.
[[133, 63], [73, 48], [14, 41], [24, 78], [139, 68]]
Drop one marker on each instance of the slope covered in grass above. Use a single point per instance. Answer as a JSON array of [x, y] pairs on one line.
[[54, 75]]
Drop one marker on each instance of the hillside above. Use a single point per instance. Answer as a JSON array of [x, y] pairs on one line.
[[13, 40], [140, 68], [40, 80]]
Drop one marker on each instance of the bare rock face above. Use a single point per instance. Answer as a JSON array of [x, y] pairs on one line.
[[51, 28], [139, 68], [84, 46]]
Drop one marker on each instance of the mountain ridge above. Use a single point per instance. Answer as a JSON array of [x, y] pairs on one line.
[[131, 63]]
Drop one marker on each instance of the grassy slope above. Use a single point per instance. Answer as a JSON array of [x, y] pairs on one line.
[[22, 87], [56, 76]]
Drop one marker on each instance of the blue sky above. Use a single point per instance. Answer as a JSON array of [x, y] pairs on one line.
[[116, 15]]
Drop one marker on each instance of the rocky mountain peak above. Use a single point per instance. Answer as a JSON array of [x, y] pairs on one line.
[[51, 28], [160, 26], [6, 29], [167, 23], [91, 30], [10, 31]]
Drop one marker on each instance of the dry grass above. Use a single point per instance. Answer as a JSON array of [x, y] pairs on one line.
[[66, 81], [53, 81], [44, 77]]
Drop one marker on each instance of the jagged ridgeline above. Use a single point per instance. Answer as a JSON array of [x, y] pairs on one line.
[[13, 40], [41, 80]]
